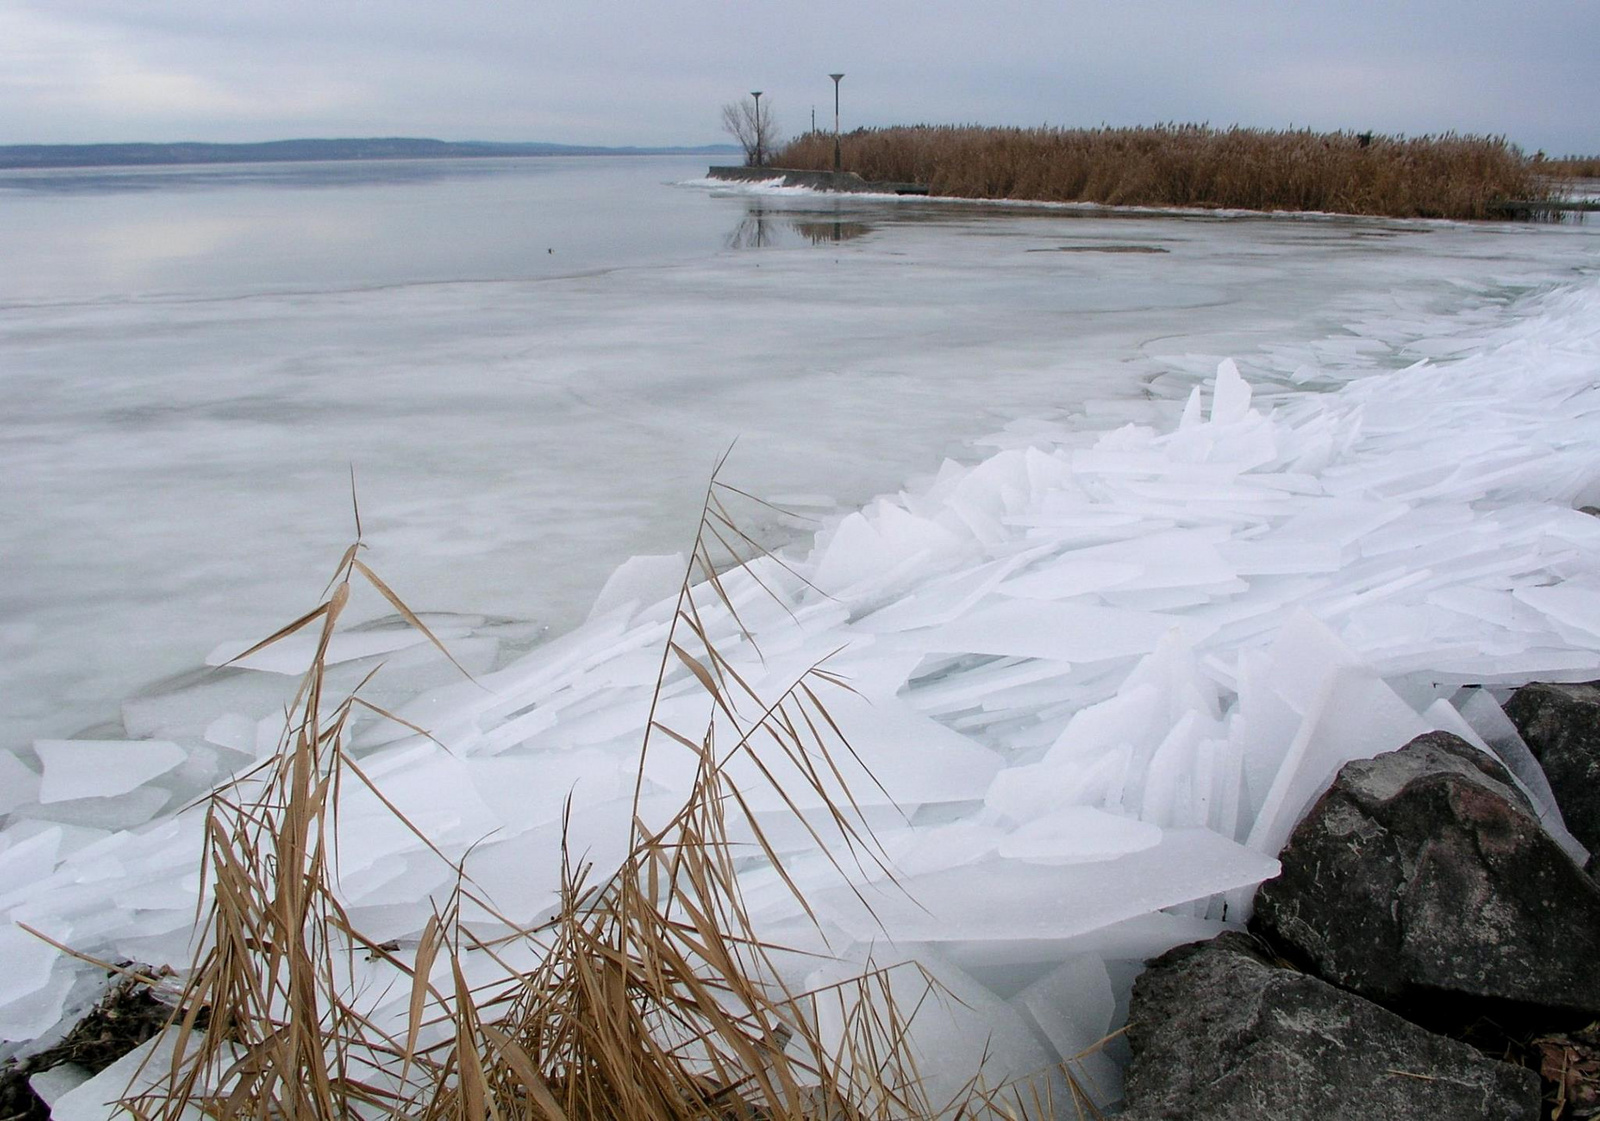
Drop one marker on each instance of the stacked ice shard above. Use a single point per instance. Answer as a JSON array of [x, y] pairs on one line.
[[1094, 680]]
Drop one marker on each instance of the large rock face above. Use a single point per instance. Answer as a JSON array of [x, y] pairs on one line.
[[1561, 724], [1422, 879], [1219, 1032]]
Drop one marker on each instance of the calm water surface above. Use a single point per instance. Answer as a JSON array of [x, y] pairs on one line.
[[89, 233]]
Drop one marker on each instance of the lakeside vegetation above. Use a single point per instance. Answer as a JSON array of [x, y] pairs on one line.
[[1574, 167], [1446, 176]]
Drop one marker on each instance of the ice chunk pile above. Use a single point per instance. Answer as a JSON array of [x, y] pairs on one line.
[[1094, 681]]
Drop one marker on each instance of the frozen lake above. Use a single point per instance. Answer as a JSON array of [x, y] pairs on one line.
[[531, 366]]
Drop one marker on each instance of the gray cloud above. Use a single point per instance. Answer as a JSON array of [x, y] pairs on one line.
[[629, 71]]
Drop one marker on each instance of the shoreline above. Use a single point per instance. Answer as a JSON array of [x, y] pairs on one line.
[[1091, 209], [1019, 628], [1052, 331]]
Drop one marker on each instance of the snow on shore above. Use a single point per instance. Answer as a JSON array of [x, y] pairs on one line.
[[1098, 675]]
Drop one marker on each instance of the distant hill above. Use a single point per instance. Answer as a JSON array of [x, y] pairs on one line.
[[283, 151]]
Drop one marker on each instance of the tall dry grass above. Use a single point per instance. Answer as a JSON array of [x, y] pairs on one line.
[[1572, 167], [654, 996], [1446, 176]]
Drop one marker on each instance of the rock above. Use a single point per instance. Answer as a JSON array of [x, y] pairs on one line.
[[1423, 880], [1218, 1031], [1561, 726]]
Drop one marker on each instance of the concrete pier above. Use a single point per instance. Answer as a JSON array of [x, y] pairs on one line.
[[847, 182]]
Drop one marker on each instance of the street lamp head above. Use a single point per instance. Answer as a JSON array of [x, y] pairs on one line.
[[755, 93], [836, 78]]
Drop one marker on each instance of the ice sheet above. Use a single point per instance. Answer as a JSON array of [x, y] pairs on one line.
[[101, 768], [585, 409], [1008, 900], [1087, 662]]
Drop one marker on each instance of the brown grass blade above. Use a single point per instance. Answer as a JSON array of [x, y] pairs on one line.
[[407, 614], [282, 633]]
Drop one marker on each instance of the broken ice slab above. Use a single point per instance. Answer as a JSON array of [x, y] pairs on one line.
[[520, 875], [19, 785], [1339, 521], [1516, 667], [953, 692], [1072, 1006], [1302, 656], [27, 861], [1488, 720], [431, 790], [234, 731], [943, 599], [957, 1031], [1230, 394], [1164, 558], [858, 550], [787, 831], [1026, 791], [525, 790], [639, 582], [53, 1084], [292, 655], [140, 1071], [1172, 599], [27, 963], [1069, 575], [1146, 936], [101, 768], [1279, 555], [894, 755], [31, 1015], [1354, 715], [1495, 606], [1005, 900], [1571, 603], [1061, 631], [1078, 835]]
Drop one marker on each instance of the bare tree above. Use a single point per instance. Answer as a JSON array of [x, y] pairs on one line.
[[752, 126]]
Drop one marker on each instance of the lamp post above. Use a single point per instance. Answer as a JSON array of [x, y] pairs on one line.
[[757, 95], [836, 164]]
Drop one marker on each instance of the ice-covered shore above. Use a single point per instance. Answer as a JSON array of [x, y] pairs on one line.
[[1097, 677]]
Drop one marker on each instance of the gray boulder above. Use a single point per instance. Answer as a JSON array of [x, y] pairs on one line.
[[1422, 879], [1561, 725], [1220, 1032]]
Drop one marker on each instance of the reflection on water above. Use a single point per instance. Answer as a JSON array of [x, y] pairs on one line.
[[247, 228], [836, 230], [756, 230], [766, 227], [221, 177]]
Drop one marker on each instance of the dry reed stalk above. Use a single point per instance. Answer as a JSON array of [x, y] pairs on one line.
[[1572, 167], [1445, 176], [654, 997]]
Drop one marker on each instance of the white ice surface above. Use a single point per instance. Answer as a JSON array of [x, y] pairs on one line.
[[101, 768], [189, 378], [1099, 670]]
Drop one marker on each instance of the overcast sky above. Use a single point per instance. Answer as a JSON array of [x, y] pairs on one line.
[[655, 72]]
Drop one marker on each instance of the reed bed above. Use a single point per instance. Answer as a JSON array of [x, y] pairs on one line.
[[1572, 167], [654, 997], [1446, 176]]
